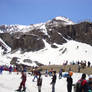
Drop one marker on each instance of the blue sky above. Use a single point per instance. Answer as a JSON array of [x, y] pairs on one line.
[[35, 11]]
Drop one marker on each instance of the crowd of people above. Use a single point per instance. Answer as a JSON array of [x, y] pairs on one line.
[[83, 63], [7, 68], [12, 68], [82, 84]]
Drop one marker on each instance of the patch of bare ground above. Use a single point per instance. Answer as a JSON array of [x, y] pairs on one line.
[[74, 68]]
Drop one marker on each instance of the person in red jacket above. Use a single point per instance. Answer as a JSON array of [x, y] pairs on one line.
[[81, 85], [22, 84]]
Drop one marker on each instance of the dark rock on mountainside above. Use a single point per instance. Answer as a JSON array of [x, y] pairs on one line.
[[57, 32], [30, 42], [7, 38], [81, 32]]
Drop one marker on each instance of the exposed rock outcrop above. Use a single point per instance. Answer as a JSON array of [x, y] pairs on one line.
[[54, 31]]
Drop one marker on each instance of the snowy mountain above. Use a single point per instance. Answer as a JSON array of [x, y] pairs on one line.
[[55, 41], [67, 21], [13, 28], [24, 28], [62, 20]]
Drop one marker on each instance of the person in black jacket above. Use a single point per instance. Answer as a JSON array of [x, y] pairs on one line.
[[39, 82], [69, 83], [53, 81], [89, 84]]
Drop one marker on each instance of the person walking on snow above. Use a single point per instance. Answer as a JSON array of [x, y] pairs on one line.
[[10, 69], [69, 82], [60, 74], [54, 77], [36, 73], [22, 84], [39, 82]]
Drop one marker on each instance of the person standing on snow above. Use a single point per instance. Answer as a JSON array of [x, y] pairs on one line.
[[69, 82], [22, 84], [54, 77], [10, 69], [79, 68], [60, 74], [90, 83], [46, 73], [82, 85], [1, 69], [39, 82], [89, 63]]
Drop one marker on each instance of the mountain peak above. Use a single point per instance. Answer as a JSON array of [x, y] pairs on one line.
[[66, 21]]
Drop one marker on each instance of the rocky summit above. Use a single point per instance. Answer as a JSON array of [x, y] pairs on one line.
[[57, 30]]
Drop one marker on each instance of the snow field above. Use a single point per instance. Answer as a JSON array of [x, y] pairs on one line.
[[10, 82]]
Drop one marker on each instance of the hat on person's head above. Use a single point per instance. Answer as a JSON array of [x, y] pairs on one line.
[[90, 76], [54, 72], [83, 76], [70, 73]]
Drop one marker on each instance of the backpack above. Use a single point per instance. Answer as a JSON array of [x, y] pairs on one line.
[[78, 86], [89, 86]]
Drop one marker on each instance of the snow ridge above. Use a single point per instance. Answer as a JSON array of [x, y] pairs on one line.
[[66, 20], [27, 28], [5, 45]]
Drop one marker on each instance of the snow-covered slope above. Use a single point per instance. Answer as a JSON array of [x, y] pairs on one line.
[[5, 45], [10, 82], [71, 51]]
